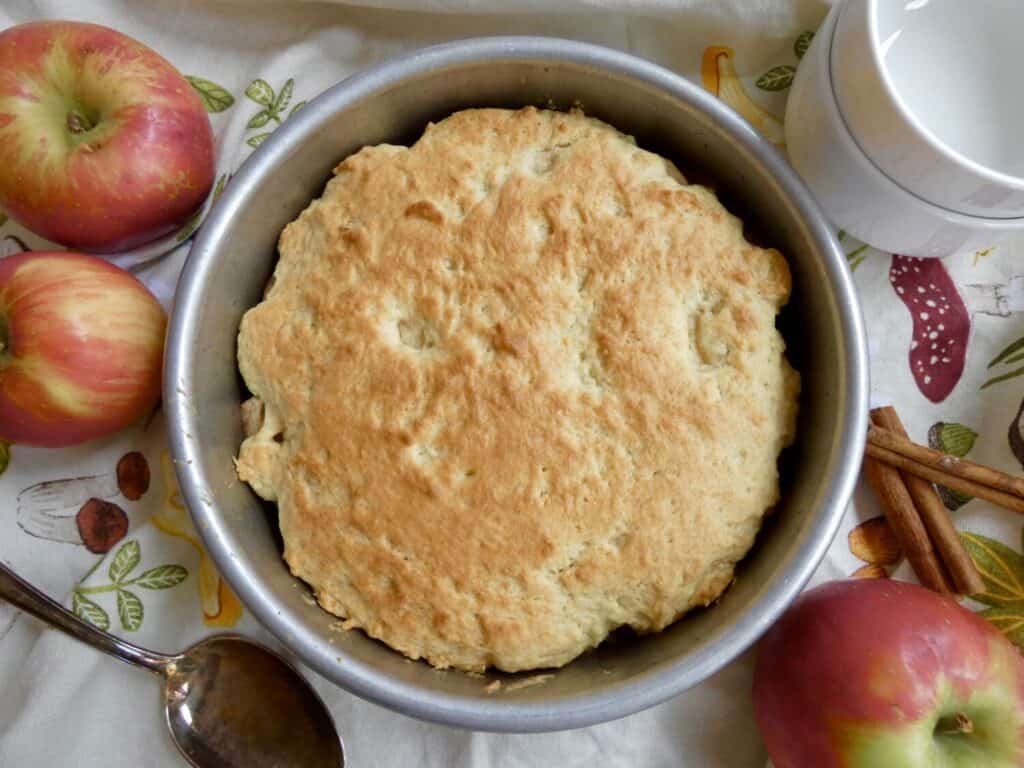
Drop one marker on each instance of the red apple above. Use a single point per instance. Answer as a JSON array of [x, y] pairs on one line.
[[103, 144], [80, 348], [884, 674]]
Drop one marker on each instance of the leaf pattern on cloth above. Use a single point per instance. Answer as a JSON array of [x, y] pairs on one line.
[[957, 440], [125, 560], [215, 98], [130, 609], [274, 104], [777, 78], [1016, 435], [84, 608], [855, 256], [220, 606], [259, 90], [941, 323], [1002, 570], [802, 43], [1010, 360], [780, 77], [982, 253]]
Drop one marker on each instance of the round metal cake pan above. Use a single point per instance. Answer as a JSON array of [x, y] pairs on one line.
[[235, 253]]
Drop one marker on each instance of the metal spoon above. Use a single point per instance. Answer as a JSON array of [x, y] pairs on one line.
[[229, 702]]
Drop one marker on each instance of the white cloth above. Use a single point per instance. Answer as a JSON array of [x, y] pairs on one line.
[[63, 704]]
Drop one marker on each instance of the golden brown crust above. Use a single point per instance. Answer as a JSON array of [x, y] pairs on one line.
[[525, 387]]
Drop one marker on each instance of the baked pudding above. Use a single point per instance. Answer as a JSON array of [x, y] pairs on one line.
[[514, 387]]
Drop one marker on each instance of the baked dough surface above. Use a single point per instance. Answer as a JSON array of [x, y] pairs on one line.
[[516, 386]]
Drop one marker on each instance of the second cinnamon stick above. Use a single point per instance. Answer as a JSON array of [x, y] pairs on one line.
[[898, 441], [968, 487], [935, 517], [906, 524]]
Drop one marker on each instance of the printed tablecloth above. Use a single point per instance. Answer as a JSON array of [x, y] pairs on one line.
[[102, 526]]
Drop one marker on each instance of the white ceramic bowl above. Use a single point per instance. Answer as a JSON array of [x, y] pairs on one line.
[[930, 90], [853, 191]]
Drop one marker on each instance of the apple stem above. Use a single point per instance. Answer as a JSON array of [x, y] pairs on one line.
[[960, 724], [964, 723], [78, 123]]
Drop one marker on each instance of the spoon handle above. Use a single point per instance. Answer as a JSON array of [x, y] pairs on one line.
[[16, 590]]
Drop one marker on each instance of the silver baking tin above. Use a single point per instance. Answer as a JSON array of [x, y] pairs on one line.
[[234, 255]]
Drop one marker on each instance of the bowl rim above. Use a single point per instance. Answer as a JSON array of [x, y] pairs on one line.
[[867, 20], [879, 177], [607, 702]]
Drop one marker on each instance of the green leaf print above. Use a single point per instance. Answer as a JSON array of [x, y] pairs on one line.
[[161, 577], [190, 226], [219, 187], [1009, 621], [952, 499], [777, 78], [856, 257], [803, 42], [1004, 377], [129, 610], [84, 608], [955, 438], [1016, 346], [1002, 570], [284, 97], [258, 120], [260, 91], [958, 440], [125, 560], [215, 98], [5, 456], [1011, 354], [274, 104]]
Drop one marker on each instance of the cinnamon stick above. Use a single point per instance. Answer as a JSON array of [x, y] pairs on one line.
[[969, 487], [935, 516], [898, 506], [893, 440]]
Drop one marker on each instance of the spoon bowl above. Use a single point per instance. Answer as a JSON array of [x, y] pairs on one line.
[[225, 686], [229, 702]]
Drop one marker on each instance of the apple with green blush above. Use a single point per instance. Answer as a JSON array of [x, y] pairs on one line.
[[884, 674], [103, 144]]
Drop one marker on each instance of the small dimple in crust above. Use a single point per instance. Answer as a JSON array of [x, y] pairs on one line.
[[515, 387]]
